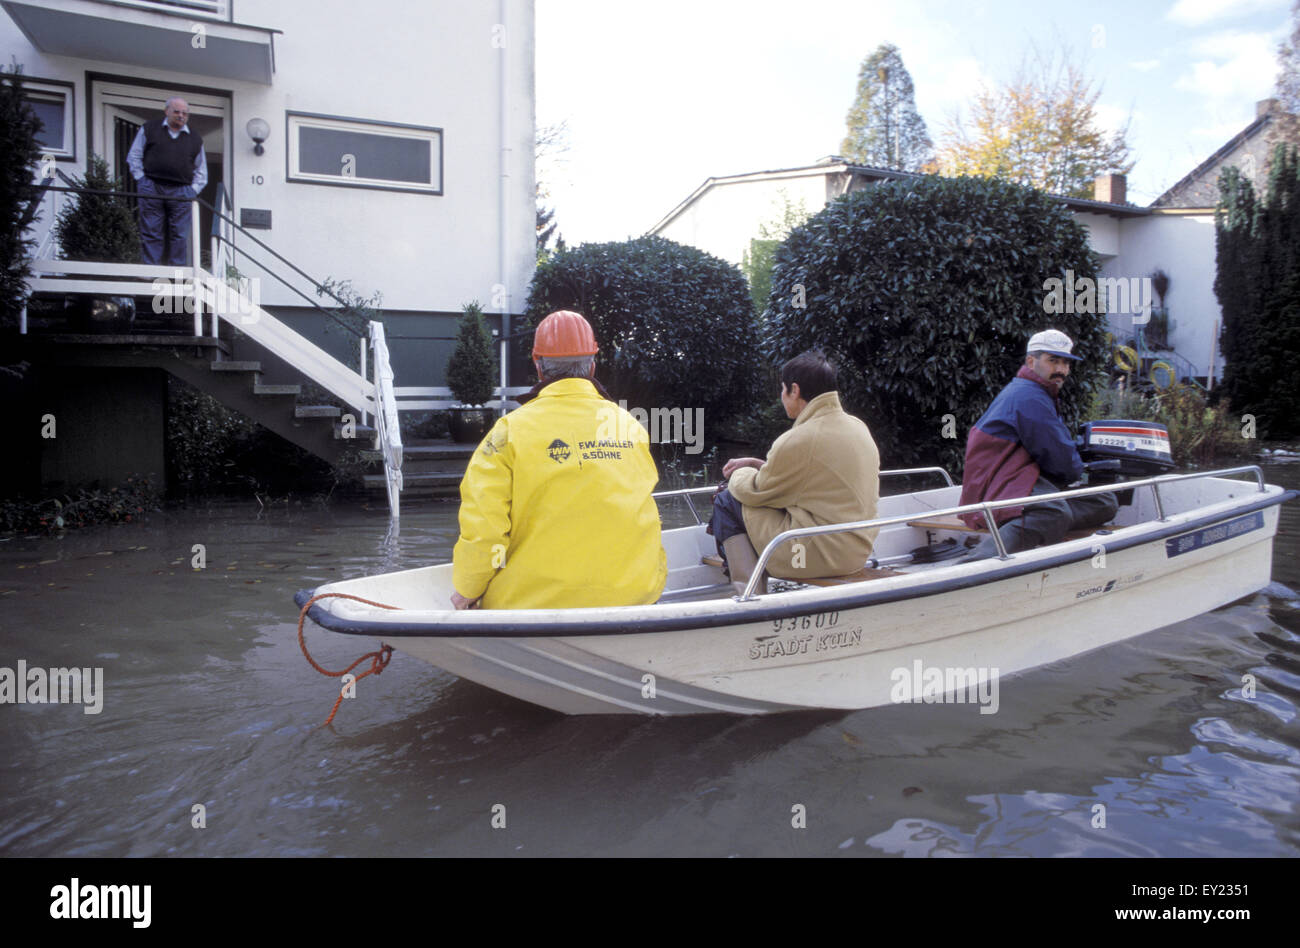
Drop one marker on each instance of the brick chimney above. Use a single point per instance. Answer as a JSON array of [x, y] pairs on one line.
[[1111, 188], [1264, 106]]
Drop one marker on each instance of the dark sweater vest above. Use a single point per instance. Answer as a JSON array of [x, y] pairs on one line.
[[167, 159]]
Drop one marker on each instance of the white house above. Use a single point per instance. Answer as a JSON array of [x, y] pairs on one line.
[[400, 145], [387, 144], [724, 214]]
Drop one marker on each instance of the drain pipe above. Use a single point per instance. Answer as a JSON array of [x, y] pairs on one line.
[[503, 181]]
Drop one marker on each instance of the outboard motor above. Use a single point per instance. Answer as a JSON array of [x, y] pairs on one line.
[[1116, 449]]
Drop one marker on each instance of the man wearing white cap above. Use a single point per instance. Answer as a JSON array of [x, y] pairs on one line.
[[1020, 447]]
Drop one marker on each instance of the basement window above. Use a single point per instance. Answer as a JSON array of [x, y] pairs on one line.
[[358, 153]]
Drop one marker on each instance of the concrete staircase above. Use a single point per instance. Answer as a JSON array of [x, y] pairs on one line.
[[319, 429], [429, 468]]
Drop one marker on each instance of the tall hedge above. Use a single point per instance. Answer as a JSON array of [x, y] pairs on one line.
[[925, 292], [1258, 287], [675, 325], [19, 153]]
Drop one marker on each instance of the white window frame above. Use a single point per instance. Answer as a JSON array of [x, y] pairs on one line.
[[298, 120], [51, 89]]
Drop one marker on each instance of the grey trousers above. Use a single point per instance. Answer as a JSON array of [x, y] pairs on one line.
[[1048, 523]]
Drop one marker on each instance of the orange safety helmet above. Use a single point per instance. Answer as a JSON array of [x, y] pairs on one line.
[[564, 335]]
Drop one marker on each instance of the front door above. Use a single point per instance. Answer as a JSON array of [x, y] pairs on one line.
[[119, 110]]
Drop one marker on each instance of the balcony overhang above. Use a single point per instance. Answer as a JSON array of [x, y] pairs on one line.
[[162, 36]]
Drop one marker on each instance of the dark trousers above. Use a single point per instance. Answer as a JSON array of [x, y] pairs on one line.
[[1050, 522], [164, 225], [728, 519]]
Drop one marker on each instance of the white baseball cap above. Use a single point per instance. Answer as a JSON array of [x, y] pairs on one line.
[[1052, 342]]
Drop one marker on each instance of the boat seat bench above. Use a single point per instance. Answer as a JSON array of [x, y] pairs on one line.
[[861, 576], [953, 522]]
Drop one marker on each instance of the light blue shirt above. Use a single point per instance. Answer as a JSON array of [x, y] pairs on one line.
[[135, 157]]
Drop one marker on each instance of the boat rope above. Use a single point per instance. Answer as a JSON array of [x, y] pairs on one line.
[[378, 659]]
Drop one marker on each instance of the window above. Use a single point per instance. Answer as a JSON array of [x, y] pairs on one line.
[[359, 153], [52, 102]]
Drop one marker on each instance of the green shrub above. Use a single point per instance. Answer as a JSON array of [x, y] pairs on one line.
[[472, 368], [212, 449], [84, 508], [18, 154], [98, 227], [1199, 432], [675, 325], [925, 292]]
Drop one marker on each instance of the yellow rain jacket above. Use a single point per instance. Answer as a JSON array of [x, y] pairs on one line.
[[555, 508]]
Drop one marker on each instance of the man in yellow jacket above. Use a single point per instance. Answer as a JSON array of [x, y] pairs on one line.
[[825, 469], [555, 506]]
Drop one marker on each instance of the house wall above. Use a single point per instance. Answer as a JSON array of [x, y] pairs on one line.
[[1103, 232], [438, 65], [1183, 246], [724, 219]]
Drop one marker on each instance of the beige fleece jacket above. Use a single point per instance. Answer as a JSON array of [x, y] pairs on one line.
[[825, 469]]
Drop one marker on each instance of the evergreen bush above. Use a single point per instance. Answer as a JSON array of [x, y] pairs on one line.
[[1258, 287], [675, 325], [99, 227], [472, 368], [925, 293], [19, 153]]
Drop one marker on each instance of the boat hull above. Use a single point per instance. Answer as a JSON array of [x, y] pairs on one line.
[[858, 646]]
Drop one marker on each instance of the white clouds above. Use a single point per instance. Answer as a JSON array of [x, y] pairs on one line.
[[1197, 12], [1238, 69], [1144, 65], [1111, 118]]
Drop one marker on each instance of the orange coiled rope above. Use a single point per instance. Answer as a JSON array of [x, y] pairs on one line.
[[379, 659]]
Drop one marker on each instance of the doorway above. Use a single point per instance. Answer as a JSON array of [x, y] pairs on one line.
[[118, 110]]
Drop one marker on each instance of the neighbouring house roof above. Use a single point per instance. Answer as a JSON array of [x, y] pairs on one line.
[[1170, 197], [837, 166]]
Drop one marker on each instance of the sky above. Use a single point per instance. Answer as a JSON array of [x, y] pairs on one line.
[[659, 96]]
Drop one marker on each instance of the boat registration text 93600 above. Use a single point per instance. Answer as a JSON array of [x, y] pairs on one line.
[[799, 635]]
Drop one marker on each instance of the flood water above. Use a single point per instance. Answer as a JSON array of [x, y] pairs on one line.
[[207, 701]]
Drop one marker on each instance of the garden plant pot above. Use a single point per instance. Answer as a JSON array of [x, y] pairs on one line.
[[470, 425], [103, 315]]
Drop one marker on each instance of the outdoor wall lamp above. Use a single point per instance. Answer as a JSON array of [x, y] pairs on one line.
[[259, 131]]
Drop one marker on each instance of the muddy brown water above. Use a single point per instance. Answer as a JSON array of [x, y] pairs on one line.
[[207, 702]]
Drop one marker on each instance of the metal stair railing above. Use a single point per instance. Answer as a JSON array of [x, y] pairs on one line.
[[387, 429]]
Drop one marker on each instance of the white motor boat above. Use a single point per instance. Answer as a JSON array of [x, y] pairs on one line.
[[910, 626]]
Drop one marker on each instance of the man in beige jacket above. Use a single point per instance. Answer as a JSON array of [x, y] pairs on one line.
[[825, 469]]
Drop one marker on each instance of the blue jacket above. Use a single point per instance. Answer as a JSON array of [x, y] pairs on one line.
[[1019, 438]]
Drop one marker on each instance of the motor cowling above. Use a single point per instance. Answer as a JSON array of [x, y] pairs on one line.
[[1141, 448]]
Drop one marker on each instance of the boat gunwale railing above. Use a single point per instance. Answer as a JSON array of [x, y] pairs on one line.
[[686, 492], [987, 507]]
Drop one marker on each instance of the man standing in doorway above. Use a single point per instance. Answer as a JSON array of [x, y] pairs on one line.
[[167, 160]]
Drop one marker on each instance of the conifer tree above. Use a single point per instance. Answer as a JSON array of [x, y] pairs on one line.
[[19, 153], [471, 370], [1258, 286], [98, 227], [884, 128]]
